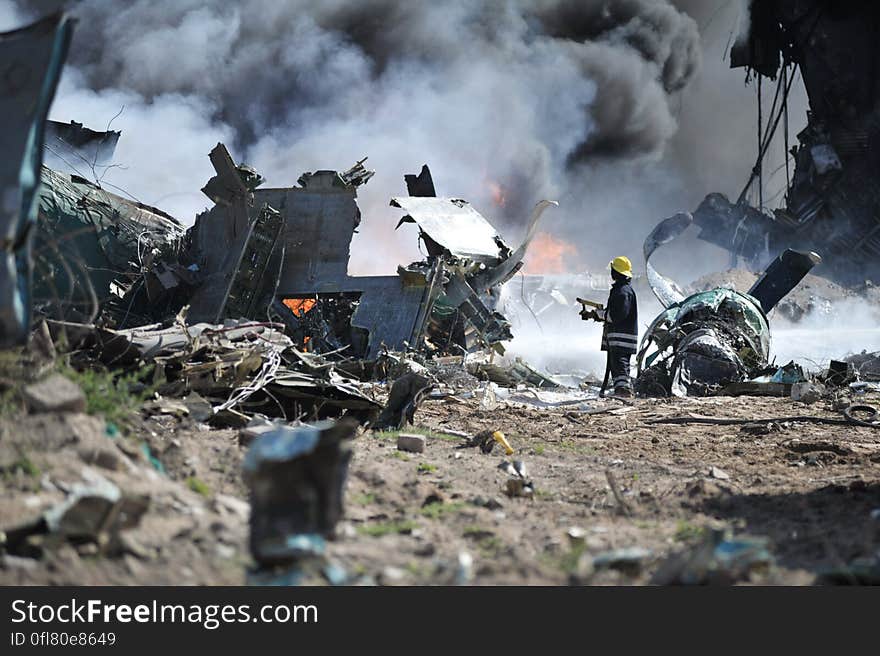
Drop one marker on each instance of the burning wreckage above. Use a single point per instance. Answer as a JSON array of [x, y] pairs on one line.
[[272, 325], [274, 314], [124, 268], [270, 319]]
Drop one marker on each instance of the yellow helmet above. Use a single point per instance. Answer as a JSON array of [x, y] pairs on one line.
[[623, 266]]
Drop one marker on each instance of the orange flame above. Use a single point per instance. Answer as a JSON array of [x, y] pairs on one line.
[[547, 254], [499, 196], [299, 306]]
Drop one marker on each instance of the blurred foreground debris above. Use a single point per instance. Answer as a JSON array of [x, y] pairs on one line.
[[33, 58], [296, 476], [717, 559], [95, 512]]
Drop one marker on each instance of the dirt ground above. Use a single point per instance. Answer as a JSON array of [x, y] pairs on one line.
[[442, 517]]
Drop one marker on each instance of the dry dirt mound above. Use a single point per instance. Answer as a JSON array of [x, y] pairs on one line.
[[442, 516]]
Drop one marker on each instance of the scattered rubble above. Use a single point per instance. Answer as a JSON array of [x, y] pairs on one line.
[[96, 512], [630, 561], [866, 365], [518, 485]]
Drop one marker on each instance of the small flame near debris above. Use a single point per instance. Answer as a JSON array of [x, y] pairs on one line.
[[547, 254], [499, 194], [299, 306]]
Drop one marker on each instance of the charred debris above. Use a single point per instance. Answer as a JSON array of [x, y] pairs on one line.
[[251, 309], [276, 301], [831, 202], [253, 305], [718, 340]]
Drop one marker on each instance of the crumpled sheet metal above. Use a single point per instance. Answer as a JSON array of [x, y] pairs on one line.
[[666, 291], [704, 361], [150, 342], [232, 362], [93, 246], [331, 391], [136, 227], [72, 147], [503, 272], [740, 309], [707, 341], [513, 374], [455, 225], [32, 58]]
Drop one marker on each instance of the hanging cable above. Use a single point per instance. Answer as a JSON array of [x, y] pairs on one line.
[[766, 136], [785, 135], [768, 133], [757, 169]]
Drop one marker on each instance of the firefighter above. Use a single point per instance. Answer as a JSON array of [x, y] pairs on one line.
[[620, 329]]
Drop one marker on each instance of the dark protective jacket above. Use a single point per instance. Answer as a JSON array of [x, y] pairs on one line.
[[621, 329]]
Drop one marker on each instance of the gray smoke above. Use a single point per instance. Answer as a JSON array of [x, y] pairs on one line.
[[269, 65], [541, 97]]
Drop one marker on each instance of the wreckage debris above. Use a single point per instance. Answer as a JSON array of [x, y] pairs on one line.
[[518, 485], [848, 414], [839, 374], [830, 201], [36, 54], [287, 261], [515, 468], [807, 392], [717, 559], [405, 397], [779, 381], [716, 340], [866, 365], [71, 146], [296, 476], [96, 512], [239, 367], [516, 373], [486, 440], [273, 325]]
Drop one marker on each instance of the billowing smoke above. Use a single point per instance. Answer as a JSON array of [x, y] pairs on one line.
[[539, 97]]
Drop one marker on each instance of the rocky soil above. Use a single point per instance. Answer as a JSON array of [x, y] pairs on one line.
[[442, 516]]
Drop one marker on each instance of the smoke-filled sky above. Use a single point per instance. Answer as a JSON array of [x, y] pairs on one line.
[[623, 110]]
